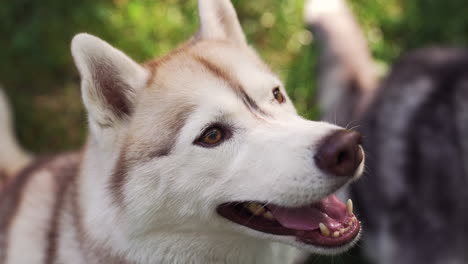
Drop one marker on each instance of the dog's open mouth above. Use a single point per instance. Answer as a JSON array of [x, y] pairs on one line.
[[327, 223]]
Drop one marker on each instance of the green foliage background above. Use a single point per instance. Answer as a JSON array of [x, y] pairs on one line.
[[37, 70]]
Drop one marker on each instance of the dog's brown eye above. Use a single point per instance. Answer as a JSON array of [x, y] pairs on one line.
[[214, 135], [278, 95], [211, 137]]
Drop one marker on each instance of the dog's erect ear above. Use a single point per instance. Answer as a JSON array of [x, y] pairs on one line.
[[218, 20], [109, 79]]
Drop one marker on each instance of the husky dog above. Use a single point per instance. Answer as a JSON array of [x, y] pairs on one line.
[[415, 124], [195, 157], [416, 132]]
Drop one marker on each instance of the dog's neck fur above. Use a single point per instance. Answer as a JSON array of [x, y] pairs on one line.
[[100, 222]]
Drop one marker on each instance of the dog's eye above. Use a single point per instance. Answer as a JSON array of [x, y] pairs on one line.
[[212, 136], [279, 97]]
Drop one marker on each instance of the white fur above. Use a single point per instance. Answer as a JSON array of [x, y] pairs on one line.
[[12, 156]]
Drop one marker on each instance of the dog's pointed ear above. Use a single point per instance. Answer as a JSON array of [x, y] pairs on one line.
[[218, 20], [109, 80]]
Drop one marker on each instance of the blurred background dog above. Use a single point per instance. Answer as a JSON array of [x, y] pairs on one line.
[[415, 125]]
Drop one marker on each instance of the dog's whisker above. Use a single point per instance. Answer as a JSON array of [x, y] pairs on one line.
[[355, 127]]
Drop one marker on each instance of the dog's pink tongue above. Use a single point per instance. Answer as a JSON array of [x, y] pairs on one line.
[[330, 211]]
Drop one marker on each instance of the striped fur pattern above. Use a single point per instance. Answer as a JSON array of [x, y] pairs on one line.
[[141, 191]]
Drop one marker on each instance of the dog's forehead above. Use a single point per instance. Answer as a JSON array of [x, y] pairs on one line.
[[187, 66], [212, 74], [240, 62]]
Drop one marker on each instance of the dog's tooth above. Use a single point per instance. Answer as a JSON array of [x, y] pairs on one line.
[[252, 207], [349, 207], [336, 234], [259, 211], [324, 230], [256, 208], [268, 215], [342, 230]]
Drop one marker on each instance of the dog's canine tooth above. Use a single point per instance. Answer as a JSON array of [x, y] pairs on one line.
[[260, 211], [268, 215], [336, 234], [324, 230], [349, 207]]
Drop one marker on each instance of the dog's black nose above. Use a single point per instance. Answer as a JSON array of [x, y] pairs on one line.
[[340, 153]]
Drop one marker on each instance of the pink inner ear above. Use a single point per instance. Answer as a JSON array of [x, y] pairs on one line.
[[111, 87]]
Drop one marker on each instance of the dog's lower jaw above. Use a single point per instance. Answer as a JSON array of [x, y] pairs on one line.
[[169, 247], [193, 248]]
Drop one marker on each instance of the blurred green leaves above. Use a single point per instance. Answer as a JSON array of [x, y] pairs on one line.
[[38, 72], [396, 26]]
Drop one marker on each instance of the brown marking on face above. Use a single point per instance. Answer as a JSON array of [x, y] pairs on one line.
[[233, 83], [170, 130], [117, 180], [170, 124], [111, 88], [10, 201]]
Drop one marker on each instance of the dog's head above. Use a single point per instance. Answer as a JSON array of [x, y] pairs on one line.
[[205, 139]]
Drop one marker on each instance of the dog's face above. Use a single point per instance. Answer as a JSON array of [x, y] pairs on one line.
[[206, 139]]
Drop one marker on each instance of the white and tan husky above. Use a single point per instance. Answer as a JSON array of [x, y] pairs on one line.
[[196, 157]]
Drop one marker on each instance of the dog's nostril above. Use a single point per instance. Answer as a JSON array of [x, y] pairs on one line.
[[341, 157], [340, 153]]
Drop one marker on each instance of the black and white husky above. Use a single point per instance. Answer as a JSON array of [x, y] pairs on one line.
[[413, 201], [417, 135], [195, 157]]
